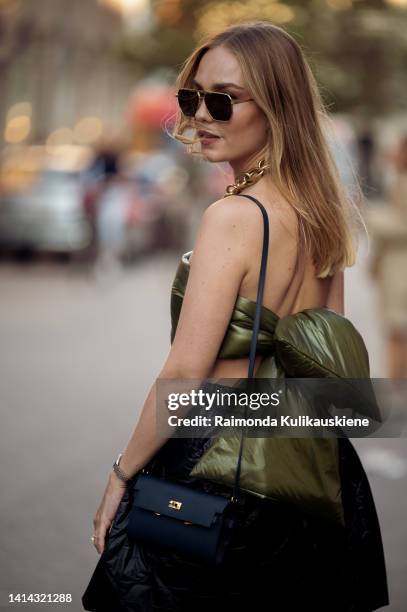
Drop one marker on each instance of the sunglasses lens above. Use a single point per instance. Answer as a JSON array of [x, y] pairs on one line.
[[188, 101], [219, 106]]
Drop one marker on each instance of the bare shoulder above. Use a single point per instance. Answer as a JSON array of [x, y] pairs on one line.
[[239, 222], [231, 211], [230, 221], [222, 235], [240, 213]]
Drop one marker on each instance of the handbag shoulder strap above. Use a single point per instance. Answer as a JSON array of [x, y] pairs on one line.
[[256, 324], [260, 289]]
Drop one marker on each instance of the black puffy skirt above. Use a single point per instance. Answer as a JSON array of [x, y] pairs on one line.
[[279, 560]]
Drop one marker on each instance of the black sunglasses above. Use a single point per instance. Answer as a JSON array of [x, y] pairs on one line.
[[219, 104]]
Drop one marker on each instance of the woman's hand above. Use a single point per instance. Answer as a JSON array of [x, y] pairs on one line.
[[106, 512]]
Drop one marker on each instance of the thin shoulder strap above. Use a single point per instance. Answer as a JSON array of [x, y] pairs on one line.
[[256, 325], [260, 289]]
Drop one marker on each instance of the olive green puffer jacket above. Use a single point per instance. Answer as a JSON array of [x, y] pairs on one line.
[[317, 343]]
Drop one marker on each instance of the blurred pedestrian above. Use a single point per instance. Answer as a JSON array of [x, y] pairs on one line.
[[389, 263], [366, 149], [115, 199], [103, 167]]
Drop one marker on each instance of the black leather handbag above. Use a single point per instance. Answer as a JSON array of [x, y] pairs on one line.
[[175, 516]]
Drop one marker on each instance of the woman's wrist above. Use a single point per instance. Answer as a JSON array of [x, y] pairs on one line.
[[123, 473], [115, 481]]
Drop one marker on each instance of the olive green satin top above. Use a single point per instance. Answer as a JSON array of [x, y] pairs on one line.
[[236, 342]]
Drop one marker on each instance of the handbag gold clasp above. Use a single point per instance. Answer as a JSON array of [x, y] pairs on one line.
[[176, 505]]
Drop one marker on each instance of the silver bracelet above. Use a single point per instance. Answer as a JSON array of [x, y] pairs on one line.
[[119, 472]]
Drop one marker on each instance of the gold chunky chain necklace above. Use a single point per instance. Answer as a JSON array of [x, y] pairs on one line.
[[247, 178]]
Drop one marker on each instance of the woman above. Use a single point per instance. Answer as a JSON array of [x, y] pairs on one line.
[[282, 558]]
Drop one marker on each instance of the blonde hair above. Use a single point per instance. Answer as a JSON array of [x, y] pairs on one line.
[[279, 79]]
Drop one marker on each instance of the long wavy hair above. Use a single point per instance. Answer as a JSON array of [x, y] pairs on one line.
[[279, 79]]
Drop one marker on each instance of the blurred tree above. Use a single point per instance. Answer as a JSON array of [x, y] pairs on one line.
[[357, 48]]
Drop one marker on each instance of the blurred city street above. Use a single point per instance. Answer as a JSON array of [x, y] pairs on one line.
[[77, 360]]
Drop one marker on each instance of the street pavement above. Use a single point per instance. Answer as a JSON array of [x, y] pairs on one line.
[[79, 354]]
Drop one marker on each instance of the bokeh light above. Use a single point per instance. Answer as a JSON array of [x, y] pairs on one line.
[[88, 130], [17, 129], [19, 109], [61, 136], [127, 7], [18, 123]]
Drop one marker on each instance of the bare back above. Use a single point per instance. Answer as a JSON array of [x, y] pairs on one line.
[[291, 284]]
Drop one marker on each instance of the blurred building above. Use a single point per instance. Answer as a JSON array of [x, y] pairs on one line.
[[59, 60]]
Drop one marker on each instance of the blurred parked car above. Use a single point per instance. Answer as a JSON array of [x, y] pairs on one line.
[[45, 216]]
